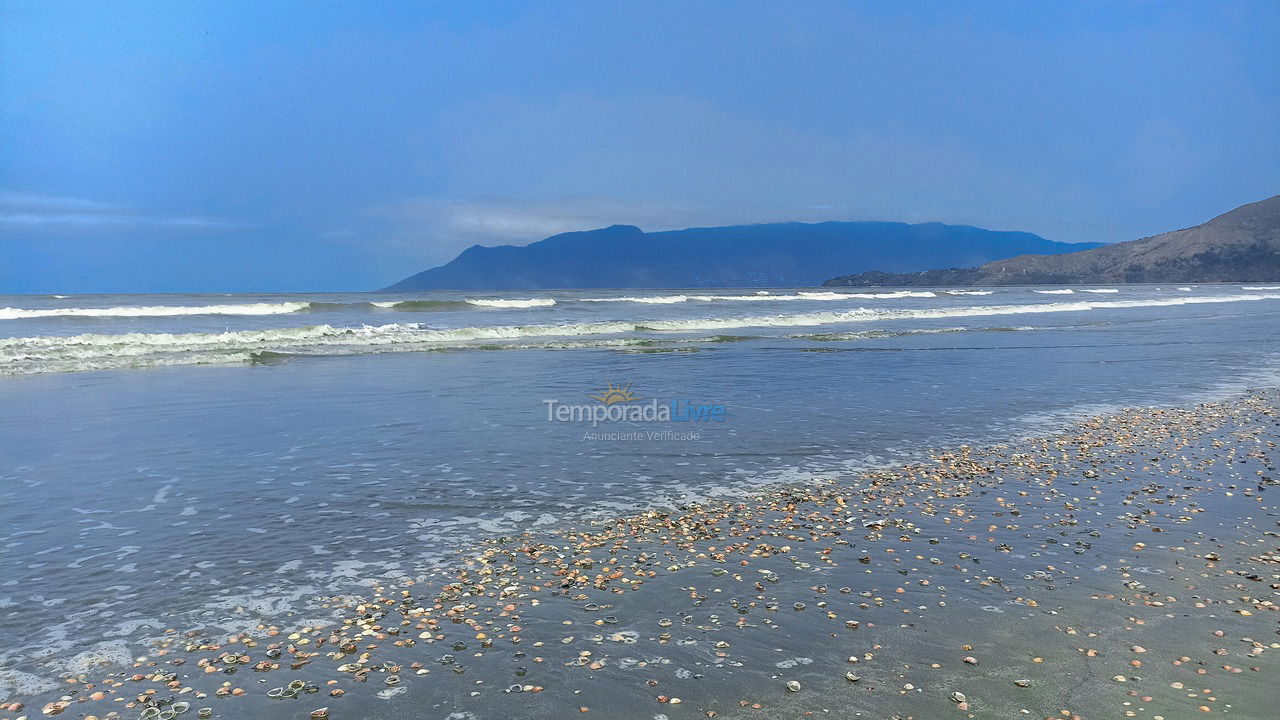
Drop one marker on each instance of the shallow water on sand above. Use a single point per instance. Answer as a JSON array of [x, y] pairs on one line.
[[224, 497], [1127, 566]]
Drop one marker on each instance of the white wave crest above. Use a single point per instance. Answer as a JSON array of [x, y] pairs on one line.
[[23, 355], [1064, 291], [12, 313], [968, 292], [1260, 287], [1099, 290], [501, 303], [762, 296], [651, 300]]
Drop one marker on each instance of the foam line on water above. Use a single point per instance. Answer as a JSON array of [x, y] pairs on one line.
[[763, 296], [22, 355], [505, 303], [12, 313]]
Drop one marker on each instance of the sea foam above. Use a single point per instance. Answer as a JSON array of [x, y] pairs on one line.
[[22, 355], [503, 303], [763, 296], [12, 313]]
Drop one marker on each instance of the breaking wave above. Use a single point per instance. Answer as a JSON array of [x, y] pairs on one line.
[[283, 308], [11, 313], [423, 305], [25, 355], [763, 296], [500, 303], [651, 300]]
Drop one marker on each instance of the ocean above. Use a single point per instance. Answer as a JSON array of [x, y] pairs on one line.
[[229, 462]]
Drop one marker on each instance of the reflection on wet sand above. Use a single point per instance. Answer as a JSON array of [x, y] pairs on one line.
[[1127, 567]]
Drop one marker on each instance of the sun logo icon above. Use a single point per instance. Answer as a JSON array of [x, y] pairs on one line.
[[613, 395]]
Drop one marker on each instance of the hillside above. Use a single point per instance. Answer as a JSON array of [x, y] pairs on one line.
[[770, 255], [1239, 246]]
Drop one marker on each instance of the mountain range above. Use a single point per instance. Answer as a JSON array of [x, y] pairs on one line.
[[1242, 245], [768, 255]]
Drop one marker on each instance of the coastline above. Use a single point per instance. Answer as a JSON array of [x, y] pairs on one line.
[[1090, 550]]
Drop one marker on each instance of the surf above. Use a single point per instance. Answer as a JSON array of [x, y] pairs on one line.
[[12, 313], [23, 355]]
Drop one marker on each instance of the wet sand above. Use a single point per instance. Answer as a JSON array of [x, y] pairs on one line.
[[1127, 567]]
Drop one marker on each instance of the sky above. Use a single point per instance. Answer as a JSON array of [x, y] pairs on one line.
[[300, 146]]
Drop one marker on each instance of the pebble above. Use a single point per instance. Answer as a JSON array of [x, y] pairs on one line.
[[817, 523]]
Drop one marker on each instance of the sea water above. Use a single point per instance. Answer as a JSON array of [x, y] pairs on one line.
[[172, 461]]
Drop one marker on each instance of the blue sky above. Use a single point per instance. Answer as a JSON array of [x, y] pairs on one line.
[[249, 146]]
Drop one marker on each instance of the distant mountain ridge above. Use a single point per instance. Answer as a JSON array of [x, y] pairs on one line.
[[1242, 245], [768, 255]]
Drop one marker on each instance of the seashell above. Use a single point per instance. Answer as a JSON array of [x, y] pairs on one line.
[[392, 680], [181, 707]]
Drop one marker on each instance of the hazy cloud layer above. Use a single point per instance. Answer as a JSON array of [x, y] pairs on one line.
[[32, 213]]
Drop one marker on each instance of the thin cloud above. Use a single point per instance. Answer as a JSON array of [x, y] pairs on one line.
[[35, 212]]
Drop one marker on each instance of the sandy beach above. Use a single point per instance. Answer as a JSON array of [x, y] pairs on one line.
[[639, 361], [1127, 567]]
